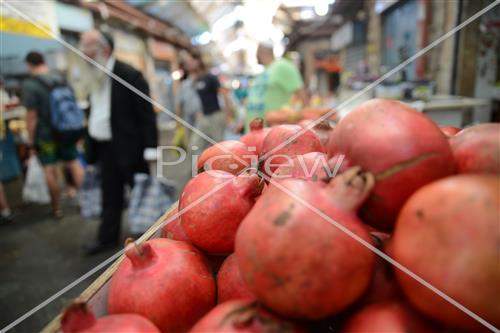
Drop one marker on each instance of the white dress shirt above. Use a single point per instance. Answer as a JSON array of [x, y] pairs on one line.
[[100, 111]]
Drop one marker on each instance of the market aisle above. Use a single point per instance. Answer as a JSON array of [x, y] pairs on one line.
[[39, 256]]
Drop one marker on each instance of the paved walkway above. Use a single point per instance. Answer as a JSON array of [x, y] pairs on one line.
[[38, 257]]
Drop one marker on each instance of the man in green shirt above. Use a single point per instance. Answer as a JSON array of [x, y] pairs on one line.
[[273, 88]]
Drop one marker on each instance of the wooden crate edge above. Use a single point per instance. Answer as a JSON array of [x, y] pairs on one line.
[[55, 324]]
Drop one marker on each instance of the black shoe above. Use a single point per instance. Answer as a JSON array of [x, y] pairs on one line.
[[7, 219], [97, 247]]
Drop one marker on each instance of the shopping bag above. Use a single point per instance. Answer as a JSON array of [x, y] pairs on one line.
[[149, 199], [89, 196], [35, 188]]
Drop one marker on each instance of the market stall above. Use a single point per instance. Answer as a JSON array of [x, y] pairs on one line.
[[273, 219]]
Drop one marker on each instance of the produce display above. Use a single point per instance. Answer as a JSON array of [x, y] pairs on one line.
[[256, 136], [211, 223], [294, 261], [476, 149], [311, 166], [242, 316], [457, 218], [284, 140], [387, 317], [173, 229], [322, 131], [78, 318], [230, 283], [291, 228], [401, 146], [230, 156], [166, 281]]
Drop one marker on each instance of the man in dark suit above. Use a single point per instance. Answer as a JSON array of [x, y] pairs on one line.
[[122, 132]]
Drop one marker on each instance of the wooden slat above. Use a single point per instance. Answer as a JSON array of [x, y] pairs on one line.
[[87, 294]]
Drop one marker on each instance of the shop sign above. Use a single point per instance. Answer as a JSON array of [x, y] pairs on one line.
[[43, 14]]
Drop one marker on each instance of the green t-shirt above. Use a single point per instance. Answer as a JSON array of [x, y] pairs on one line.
[[36, 97], [272, 89]]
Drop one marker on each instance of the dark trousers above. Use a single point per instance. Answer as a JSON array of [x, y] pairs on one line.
[[113, 182]]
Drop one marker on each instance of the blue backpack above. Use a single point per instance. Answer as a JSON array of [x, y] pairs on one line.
[[67, 119]]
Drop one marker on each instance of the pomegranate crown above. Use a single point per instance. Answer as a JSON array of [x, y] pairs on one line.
[[256, 124], [141, 255], [77, 317], [324, 125]]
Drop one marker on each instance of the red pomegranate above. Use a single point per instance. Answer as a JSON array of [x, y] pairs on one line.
[[231, 156], [401, 146], [273, 156], [477, 149], [242, 316], [164, 280], [173, 229], [450, 131], [387, 317], [311, 166], [305, 122], [447, 233], [230, 284], [211, 220], [215, 262], [323, 129], [339, 163], [78, 318], [256, 136], [383, 287], [296, 262]]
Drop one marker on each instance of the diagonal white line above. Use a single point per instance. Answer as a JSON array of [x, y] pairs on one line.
[[384, 77], [381, 254]]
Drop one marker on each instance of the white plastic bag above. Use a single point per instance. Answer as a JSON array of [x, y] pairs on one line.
[[35, 188]]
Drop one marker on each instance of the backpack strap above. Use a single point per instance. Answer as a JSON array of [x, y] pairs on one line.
[[44, 83]]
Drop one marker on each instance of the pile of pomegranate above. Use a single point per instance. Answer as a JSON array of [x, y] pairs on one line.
[[383, 223]]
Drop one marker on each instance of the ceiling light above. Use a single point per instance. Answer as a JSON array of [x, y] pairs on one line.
[[321, 8]]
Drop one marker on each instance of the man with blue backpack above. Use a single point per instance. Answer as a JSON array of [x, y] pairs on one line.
[[55, 123]]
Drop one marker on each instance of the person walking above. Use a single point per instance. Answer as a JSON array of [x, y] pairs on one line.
[[188, 103], [212, 119], [9, 163], [273, 88], [42, 141], [122, 132]]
